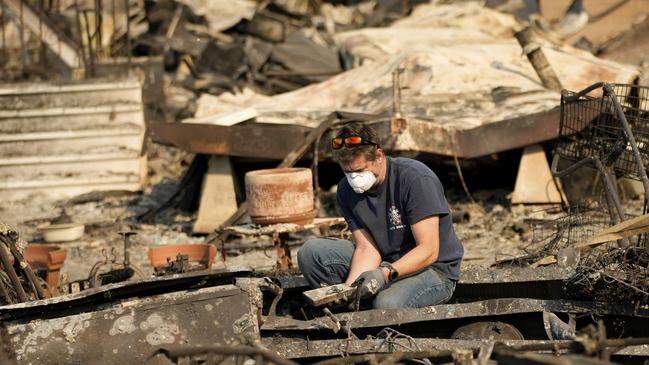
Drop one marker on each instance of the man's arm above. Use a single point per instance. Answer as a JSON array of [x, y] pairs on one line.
[[366, 256], [426, 234]]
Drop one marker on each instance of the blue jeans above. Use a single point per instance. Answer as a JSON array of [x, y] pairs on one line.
[[327, 261]]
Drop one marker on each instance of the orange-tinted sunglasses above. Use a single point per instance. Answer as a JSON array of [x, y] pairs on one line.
[[349, 142]]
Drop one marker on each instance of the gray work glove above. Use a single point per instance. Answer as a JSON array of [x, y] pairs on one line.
[[370, 282]]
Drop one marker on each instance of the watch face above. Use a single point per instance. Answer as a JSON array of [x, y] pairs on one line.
[[393, 273]]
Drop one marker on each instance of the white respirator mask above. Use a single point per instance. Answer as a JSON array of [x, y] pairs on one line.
[[361, 181]]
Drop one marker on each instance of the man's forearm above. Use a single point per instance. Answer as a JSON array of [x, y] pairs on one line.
[[363, 259], [415, 260]]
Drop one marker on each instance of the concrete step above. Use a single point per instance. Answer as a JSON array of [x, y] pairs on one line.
[[78, 118], [28, 168], [67, 139], [71, 145], [69, 186], [46, 95]]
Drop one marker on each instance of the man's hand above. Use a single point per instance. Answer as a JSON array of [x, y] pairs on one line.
[[370, 282]]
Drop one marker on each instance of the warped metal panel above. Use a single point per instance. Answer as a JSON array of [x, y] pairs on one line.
[[129, 331]]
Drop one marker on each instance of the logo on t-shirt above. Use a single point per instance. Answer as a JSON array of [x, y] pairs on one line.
[[395, 218]]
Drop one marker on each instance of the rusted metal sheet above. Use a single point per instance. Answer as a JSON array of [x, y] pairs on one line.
[[484, 308], [129, 331], [92, 298], [260, 140], [297, 348], [514, 275], [467, 277]]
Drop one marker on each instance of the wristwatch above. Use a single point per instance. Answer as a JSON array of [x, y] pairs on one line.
[[393, 274]]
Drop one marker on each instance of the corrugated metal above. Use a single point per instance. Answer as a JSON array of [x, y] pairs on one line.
[[62, 140]]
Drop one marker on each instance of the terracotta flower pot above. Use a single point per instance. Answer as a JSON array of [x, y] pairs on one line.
[[283, 195], [47, 257], [199, 252]]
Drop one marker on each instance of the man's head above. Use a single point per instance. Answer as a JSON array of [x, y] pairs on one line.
[[356, 148]]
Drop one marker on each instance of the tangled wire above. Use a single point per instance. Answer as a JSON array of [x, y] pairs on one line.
[[613, 272], [617, 270]]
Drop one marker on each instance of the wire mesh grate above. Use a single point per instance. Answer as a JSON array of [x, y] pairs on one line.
[[590, 128], [552, 235]]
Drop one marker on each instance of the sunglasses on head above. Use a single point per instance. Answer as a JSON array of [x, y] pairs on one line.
[[349, 142]]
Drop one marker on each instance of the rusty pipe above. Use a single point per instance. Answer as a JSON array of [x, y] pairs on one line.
[[15, 281]]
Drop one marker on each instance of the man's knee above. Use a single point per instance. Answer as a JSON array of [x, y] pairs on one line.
[[384, 300], [307, 254]]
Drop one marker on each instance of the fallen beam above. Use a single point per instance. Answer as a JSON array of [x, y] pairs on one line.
[[259, 140], [545, 282], [297, 348], [493, 307]]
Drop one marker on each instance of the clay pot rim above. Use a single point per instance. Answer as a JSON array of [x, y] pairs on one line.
[[278, 171], [48, 226]]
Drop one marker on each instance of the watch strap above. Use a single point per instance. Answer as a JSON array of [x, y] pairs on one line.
[[393, 274]]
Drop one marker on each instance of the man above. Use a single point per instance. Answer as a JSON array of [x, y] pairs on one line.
[[405, 252]]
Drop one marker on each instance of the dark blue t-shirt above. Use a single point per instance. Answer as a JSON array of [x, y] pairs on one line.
[[409, 193]]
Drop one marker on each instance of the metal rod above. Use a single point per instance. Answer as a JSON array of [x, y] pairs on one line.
[[83, 50], [23, 51], [396, 93], [15, 281], [41, 44], [610, 189], [575, 97], [172, 28], [128, 35], [5, 293], [112, 37], [632, 142], [98, 23], [91, 56], [608, 186], [2, 25]]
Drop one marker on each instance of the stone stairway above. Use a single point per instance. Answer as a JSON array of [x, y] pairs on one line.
[[62, 140]]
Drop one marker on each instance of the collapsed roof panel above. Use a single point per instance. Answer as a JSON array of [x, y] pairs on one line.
[[461, 86]]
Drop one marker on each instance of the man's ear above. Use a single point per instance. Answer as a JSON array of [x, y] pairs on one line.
[[380, 153]]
